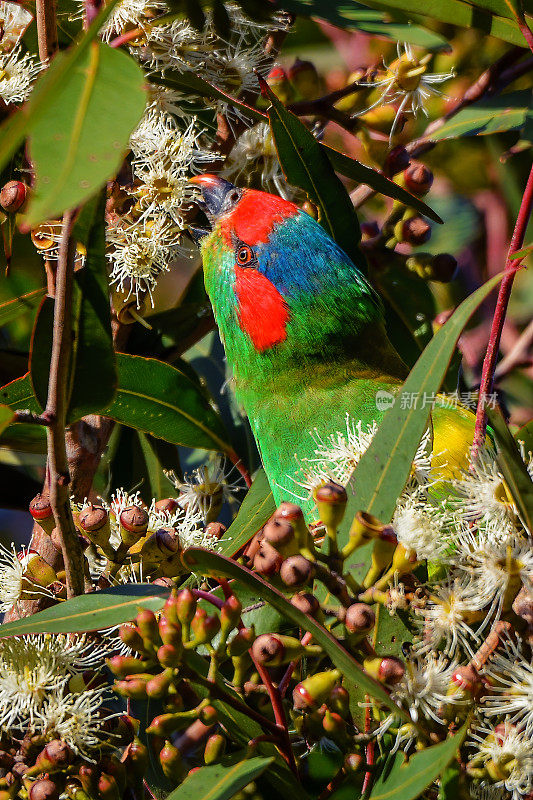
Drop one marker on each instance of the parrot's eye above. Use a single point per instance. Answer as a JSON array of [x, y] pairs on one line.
[[244, 255]]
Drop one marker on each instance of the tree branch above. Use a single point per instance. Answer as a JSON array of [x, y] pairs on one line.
[[46, 29], [511, 266], [56, 410]]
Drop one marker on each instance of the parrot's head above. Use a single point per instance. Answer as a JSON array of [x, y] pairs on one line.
[[280, 287]]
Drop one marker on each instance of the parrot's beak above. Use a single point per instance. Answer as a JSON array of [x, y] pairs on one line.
[[218, 195]]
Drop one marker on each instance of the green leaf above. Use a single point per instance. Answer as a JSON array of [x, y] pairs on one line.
[[159, 399], [220, 782], [91, 612], [352, 17], [19, 395], [79, 141], [6, 416], [210, 563], [450, 782], [513, 468], [380, 475], [193, 84], [497, 114], [26, 438], [49, 86], [405, 780], [352, 168], [92, 375], [455, 12], [306, 165], [12, 309], [256, 509]]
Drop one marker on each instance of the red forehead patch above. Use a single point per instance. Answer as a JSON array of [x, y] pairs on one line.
[[254, 216], [262, 313]]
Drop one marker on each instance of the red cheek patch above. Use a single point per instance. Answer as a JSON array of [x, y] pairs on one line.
[[262, 312], [254, 216]]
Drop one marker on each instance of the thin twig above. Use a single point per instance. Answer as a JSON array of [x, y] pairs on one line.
[[511, 267], [46, 29], [56, 409], [25, 415]]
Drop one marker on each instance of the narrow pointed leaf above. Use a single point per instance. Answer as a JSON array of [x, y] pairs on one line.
[[6, 416], [159, 399], [91, 612], [382, 472], [209, 563], [513, 468], [497, 114], [306, 165], [220, 782], [256, 509], [406, 780], [352, 168], [18, 394]]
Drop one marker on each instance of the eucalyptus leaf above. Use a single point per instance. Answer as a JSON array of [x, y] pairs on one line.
[[494, 115], [12, 309], [256, 509], [220, 782], [6, 416], [91, 612], [405, 780]]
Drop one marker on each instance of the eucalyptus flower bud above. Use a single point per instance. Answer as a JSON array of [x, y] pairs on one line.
[[42, 513], [169, 656], [93, 521], [170, 632], [148, 628], [267, 561], [136, 759], [108, 788], [171, 762], [166, 505], [297, 571], [307, 603], [204, 627], [44, 789], [38, 571], [133, 524], [385, 669], [274, 649], [313, 691], [163, 543], [278, 81], [185, 606], [215, 529], [415, 230], [360, 618], [131, 637], [134, 688], [165, 724], [331, 499], [241, 642], [339, 701], [214, 748], [418, 179], [158, 686], [55, 757], [304, 77], [279, 533], [208, 715], [230, 614], [13, 196]]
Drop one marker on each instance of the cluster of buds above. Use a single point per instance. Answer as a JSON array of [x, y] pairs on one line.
[[160, 668], [300, 81], [40, 768]]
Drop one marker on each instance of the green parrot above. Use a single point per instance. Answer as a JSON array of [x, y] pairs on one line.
[[303, 331]]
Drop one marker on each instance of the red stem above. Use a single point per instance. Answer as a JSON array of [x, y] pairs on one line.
[[237, 462], [279, 714], [284, 682], [511, 267], [124, 38], [210, 598]]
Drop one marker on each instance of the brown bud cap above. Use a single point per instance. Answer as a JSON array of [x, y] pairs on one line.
[[44, 789], [360, 618], [296, 571], [278, 532], [166, 504], [306, 602], [88, 776], [216, 529], [267, 649], [444, 267], [40, 508], [523, 605], [332, 493], [13, 195], [467, 678], [396, 161], [267, 560], [415, 231], [289, 511], [134, 519], [168, 540], [386, 669], [353, 762], [92, 518], [311, 209], [418, 179]]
